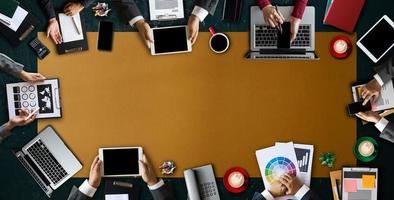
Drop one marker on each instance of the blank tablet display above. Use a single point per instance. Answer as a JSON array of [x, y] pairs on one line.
[[170, 40], [120, 161], [379, 39]]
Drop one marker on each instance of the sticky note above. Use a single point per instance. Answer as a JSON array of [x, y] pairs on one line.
[[350, 185], [368, 181]]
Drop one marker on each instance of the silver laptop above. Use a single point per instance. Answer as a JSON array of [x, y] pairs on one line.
[[48, 160], [263, 38]]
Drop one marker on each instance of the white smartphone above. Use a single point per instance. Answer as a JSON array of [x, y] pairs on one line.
[[378, 40], [120, 161], [170, 40]]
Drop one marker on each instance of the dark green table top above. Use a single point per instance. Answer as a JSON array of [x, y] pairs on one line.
[[16, 184]]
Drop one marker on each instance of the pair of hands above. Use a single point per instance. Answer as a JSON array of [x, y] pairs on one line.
[[370, 92], [274, 19], [147, 35], [53, 30], [148, 174], [287, 185]]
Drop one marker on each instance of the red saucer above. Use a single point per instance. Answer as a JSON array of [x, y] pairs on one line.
[[337, 54], [227, 184]]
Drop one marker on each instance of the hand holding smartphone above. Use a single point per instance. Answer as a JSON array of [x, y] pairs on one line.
[[357, 107]]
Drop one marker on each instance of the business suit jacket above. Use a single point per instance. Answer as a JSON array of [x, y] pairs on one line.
[[163, 193], [310, 195], [386, 73], [4, 133], [129, 9], [47, 6]]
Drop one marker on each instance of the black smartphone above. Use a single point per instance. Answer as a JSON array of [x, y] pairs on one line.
[[284, 36], [356, 107], [105, 36]]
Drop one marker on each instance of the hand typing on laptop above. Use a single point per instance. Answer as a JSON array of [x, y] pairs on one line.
[[272, 16]]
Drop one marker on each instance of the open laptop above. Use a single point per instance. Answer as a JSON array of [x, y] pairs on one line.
[[48, 160], [263, 38]]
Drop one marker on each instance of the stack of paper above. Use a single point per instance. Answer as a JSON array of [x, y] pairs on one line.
[[293, 159]]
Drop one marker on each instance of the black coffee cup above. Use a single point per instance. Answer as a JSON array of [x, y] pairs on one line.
[[218, 42]]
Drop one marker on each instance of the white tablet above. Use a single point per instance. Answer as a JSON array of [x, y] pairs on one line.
[[120, 161], [378, 40], [170, 40]]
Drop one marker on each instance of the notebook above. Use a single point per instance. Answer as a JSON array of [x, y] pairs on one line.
[[343, 14]]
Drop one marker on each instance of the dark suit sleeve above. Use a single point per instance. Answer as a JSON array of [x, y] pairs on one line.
[[258, 196], [209, 5], [48, 8], [128, 10], [75, 194], [311, 195], [386, 70], [163, 193], [388, 132]]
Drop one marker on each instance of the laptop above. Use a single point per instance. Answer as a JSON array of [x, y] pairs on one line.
[[263, 38], [48, 160]]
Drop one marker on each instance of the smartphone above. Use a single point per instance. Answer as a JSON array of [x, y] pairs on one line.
[[356, 107], [284, 36], [105, 36]]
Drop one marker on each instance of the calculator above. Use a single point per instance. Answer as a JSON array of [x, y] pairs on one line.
[[41, 50]]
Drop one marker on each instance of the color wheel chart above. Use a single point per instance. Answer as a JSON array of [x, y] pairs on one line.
[[277, 166]]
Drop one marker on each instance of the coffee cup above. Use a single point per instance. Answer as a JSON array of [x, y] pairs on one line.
[[218, 42]]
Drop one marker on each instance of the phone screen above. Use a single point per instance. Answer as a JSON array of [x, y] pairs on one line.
[[354, 108], [105, 36], [284, 36]]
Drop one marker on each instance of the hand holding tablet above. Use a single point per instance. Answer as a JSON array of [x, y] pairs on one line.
[[120, 161]]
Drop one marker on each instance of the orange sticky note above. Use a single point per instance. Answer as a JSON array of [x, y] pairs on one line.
[[368, 181], [350, 185]]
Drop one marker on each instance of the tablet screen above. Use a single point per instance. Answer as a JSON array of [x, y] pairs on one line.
[[379, 39], [169, 40], [120, 161]]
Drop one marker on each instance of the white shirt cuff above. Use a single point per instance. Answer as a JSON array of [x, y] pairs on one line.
[[301, 192], [157, 185], [267, 195], [201, 13], [381, 124], [377, 78], [135, 19], [87, 189]]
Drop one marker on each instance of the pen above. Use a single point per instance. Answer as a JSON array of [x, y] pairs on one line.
[[5, 22], [122, 184], [75, 23], [280, 25]]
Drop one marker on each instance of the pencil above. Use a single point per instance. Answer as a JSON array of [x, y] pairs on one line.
[[75, 23]]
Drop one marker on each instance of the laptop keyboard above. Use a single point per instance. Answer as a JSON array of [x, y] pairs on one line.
[[47, 162], [300, 57], [266, 36]]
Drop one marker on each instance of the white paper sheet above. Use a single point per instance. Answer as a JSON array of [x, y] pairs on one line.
[[16, 20], [116, 197], [68, 28]]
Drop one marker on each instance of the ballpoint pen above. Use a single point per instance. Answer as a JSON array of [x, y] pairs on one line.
[[280, 25], [75, 24]]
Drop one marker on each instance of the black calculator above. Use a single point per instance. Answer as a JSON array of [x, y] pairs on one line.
[[41, 50]]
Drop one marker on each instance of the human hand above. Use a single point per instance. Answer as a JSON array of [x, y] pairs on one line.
[[73, 8], [148, 174], [54, 31], [294, 25], [272, 17], [371, 91], [31, 77], [193, 25], [369, 116], [145, 32], [277, 189], [21, 119], [292, 184], [95, 173]]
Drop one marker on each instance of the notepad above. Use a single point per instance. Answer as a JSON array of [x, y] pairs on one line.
[[16, 20], [116, 197], [69, 29], [350, 185], [368, 181]]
